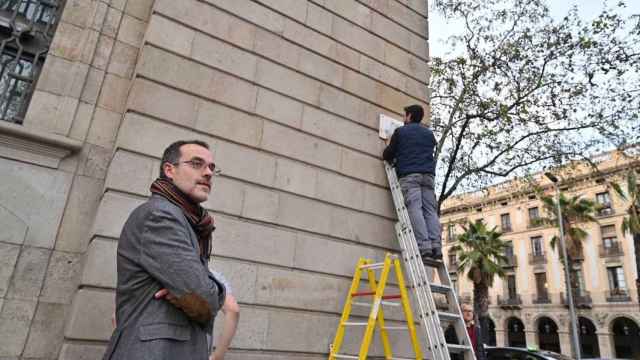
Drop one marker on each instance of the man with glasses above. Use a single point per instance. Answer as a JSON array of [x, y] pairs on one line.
[[166, 297], [473, 330]]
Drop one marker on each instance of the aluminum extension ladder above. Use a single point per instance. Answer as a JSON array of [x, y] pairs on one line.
[[420, 272], [376, 315]]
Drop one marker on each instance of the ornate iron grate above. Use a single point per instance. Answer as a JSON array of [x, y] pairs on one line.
[[26, 31]]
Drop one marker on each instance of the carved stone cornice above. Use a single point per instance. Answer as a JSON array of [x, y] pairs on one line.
[[35, 146]]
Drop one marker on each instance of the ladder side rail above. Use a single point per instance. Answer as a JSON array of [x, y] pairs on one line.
[[346, 312], [431, 322], [410, 247], [429, 316], [432, 313], [460, 328], [404, 295], [384, 336], [459, 324], [375, 309], [419, 297]]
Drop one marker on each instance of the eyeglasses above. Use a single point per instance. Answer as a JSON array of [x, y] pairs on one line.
[[199, 164]]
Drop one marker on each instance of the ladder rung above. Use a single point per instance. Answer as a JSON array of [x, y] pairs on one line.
[[369, 293], [456, 349], [396, 328], [440, 289], [343, 356], [446, 316], [392, 297], [360, 303], [355, 324], [372, 266], [388, 303]]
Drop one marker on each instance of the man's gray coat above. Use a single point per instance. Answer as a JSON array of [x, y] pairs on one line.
[[158, 249]]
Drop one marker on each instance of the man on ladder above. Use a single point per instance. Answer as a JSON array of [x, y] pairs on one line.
[[411, 148]]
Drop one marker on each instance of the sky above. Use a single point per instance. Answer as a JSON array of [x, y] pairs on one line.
[[439, 29]]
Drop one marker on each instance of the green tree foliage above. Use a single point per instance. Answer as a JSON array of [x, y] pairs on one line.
[[481, 252], [576, 211], [524, 90]]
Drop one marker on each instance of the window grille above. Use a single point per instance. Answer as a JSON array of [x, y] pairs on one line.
[[26, 31]]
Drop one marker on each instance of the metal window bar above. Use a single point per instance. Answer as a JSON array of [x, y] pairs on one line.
[[26, 31]]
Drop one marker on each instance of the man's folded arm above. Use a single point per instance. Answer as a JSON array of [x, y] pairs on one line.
[[167, 254]]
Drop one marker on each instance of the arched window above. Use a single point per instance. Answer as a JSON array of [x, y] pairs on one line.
[[548, 338], [515, 333], [625, 338], [588, 338]]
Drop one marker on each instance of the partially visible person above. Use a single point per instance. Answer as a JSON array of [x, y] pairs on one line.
[[473, 330], [411, 149], [231, 313], [166, 297]]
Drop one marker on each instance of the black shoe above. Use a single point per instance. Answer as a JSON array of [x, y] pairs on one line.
[[436, 254], [426, 253]]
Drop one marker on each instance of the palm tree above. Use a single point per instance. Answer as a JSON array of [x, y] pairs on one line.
[[575, 211], [631, 222], [481, 253]]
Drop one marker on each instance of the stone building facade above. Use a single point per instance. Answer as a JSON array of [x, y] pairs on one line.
[[286, 92], [528, 307]]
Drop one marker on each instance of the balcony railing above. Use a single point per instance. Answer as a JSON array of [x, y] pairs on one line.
[[537, 258], [534, 223], [618, 295], [510, 261], [513, 302], [542, 298], [606, 210], [614, 249], [506, 228], [581, 299]]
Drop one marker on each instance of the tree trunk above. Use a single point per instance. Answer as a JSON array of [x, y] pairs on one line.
[[481, 308], [636, 246]]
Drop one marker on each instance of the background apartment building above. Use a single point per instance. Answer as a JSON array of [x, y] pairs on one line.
[[286, 92], [528, 306]]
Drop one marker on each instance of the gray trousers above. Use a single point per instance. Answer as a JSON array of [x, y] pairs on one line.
[[420, 199]]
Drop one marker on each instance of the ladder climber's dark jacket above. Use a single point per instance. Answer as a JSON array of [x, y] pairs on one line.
[[412, 147]]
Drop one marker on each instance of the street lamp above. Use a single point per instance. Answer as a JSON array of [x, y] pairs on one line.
[[575, 344]]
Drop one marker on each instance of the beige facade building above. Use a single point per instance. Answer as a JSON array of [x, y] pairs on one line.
[[528, 306], [286, 92]]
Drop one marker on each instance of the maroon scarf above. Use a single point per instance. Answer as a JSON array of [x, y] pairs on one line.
[[199, 219]]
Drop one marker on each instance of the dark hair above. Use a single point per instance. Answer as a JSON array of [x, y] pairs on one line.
[[172, 153], [416, 112]]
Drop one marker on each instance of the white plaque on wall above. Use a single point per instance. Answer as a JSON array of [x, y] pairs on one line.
[[387, 126]]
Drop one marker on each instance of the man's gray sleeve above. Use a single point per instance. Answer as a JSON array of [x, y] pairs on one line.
[[168, 255]]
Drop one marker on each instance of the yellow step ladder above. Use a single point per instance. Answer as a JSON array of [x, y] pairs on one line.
[[376, 316]]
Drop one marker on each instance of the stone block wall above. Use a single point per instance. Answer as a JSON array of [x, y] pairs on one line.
[[286, 92], [52, 173]]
